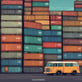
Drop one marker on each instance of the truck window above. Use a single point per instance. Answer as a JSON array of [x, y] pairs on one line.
[[49, 65], [66, 64], [60, 64], [71, 64], [75, 64], [55, 65]]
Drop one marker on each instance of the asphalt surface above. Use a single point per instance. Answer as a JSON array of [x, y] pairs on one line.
[[39, 78]]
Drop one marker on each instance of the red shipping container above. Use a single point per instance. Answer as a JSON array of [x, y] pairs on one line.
[[52, 45], [32, 25], [53, 17], [11, 47], [41, 0], [78, 6], [56, 22], [11, 38], [28, 4], [69, 13], [13, 2], [27, 0], [58, 17]]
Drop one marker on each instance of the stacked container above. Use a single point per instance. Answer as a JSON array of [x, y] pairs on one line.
[[52, 39], [78, 5], [11, 36], [72, 36]]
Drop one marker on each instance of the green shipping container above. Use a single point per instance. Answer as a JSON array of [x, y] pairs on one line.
[[12, 69], [29, 39], [33, 48], [56, 27], [40, 4]]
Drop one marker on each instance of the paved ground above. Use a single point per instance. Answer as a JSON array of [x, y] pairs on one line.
[[39, 78]]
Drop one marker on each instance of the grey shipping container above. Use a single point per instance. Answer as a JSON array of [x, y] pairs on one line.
[[11, 24], [11, 17], [11, 31], [72, 29], [53, 57], [69, 18], [72, 35], [33, 69], [11, 12], [27, 9], [11, 55]]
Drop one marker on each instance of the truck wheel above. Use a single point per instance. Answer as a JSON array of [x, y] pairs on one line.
[[74, 73], [58, 73]]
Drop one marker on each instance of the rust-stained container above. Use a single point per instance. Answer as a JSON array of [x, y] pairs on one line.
[[72, 23], [72, 41], [33, 63], [11, 2], [78, 6], [40, 13], [27, 13], [69, 13], [56, 22], [29, 17], [32, 25], [45, 27], [43, 9], [11, 47], [11, 38], [52, 45], [27, 4], [79, 61], [43, 22], [55, 13], [41, 0], [33, 56], [72, 49]]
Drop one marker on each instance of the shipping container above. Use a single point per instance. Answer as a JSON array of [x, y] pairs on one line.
[[56, 22], [27, 13], [55, 13], [7, 2], [79, 13], [52, 39], [43, 9], [40, 13], [72, 35], [11, 7], [77, 9], [11, 38], [11, 17], [77, 6], [80, 18], [29, 17], [11, 24], [38, 56], [52, 45], [11, 12], [27, 4], [70, 18], [72, 29], [33, 40], [27, 0], [52, 51], [40, 4], [72, 41], [27, 9], [7, 55], [72, 23], [33, 69], [56, 27], [45, 27], [41, 17], [33, 63], [69, 13], [53, 17], [78, 2], [11, 31], [32, 25], [42, 0], [51, 33], [72, 49], [33, 48], [11, 69], [72, 56], [34, 32], [11, 47], [52, 57], [13, 62]]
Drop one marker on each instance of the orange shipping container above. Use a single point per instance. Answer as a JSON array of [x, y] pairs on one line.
[[29, 17], [79, 13], [40, 13], [33, 63], [42, 17], [27, 13], [47, 27], [11, 47], [33, 56], [40, 9], [11, 38], [80, 18], [72, 23], [72, 49]]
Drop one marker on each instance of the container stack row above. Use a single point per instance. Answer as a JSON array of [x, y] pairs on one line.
[[78, 5], [11, 36], [72, 36], [52, 38]]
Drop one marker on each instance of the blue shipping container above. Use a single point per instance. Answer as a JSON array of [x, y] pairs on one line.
[[77, 9]]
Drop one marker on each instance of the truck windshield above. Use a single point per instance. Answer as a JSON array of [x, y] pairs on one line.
[[49, 65]]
